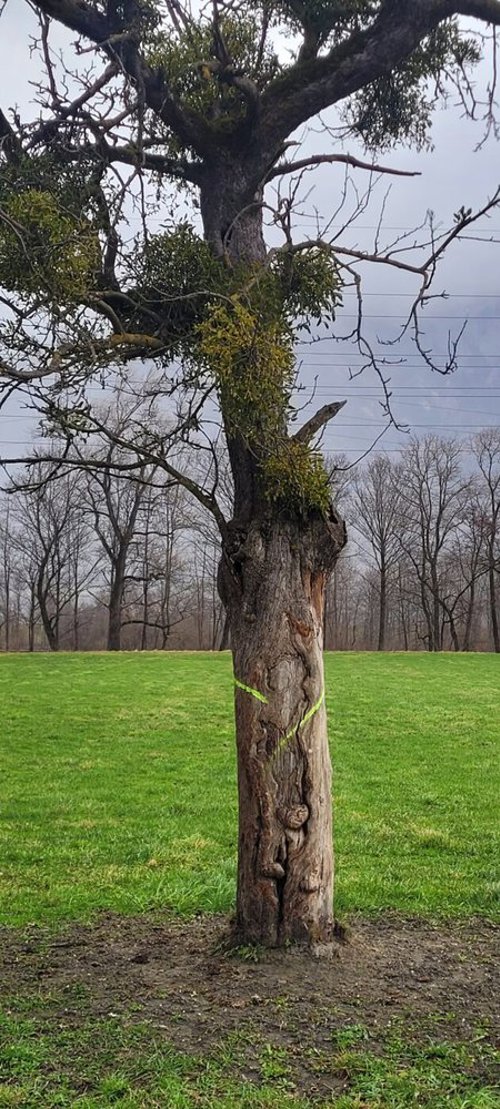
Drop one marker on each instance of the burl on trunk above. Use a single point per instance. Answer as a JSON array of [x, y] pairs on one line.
[[272, 579]]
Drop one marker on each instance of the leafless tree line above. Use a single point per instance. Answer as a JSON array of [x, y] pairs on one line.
[[422, 570], [108, 557]]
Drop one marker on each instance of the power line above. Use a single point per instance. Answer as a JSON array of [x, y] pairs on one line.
[[407, 368], [391, 227], [345, 450], [387, 316], [434, 296], [407, 354], [373, 425]]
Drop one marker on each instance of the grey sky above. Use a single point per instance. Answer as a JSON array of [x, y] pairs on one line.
[[454, 174]]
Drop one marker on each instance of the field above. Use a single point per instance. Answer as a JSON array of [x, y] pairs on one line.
[[118, 829]]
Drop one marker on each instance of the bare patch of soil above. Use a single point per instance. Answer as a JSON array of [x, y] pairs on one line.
[[180, 977]]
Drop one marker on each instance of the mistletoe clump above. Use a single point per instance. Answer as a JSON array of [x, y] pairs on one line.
[[295, 476], [310, 285], [251, 359], [202, 68], [45, 251]]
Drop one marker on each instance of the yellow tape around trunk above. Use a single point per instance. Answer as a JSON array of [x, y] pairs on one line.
[[310, 713], [264, 700], [253, 692]]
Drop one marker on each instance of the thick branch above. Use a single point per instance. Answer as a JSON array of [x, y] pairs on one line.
[[158, 163], [318, 421], [85, 20], [311, 86], [330, 159]]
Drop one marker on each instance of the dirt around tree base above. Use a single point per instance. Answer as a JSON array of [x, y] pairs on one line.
[[181, 978]]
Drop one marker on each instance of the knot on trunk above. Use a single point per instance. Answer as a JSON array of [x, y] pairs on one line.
[[294, 817], [305, 631], [272, 870], [310, 883]]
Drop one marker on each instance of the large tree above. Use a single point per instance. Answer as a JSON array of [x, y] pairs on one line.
[[204, 105]]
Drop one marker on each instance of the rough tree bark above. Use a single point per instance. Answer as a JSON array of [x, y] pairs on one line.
[[272, 580]]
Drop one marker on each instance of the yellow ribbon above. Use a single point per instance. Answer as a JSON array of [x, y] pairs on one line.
[[253, 692], [310, 712], [296, 728]]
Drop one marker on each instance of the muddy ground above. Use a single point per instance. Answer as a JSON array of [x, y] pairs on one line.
[[181, 977]]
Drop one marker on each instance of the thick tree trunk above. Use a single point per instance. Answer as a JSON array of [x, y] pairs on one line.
[[272, 576], [470, 616], [272, 579], [437, 626], [453, 632], [50, 626], [402, 612]]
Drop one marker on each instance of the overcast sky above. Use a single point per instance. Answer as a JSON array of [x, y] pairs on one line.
[[452, 175]]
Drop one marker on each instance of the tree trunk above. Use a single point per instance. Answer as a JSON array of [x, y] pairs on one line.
[[31, 619], [470, 616], [493, 607], [382, 612], [145, 614], [224, 639], [272, 580], [115, 621], [50, 626], [402, 612], [453, 632], [437, 625], [272, 576], [116, 602]]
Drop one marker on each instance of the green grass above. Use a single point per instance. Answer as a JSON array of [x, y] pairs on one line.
[[104, 1063], [117, 791], [118, 783], [95, 1064]]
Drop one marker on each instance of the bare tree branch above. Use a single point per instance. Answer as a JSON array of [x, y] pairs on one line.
[[343, 159], [122, 46], [311, 85], [318, 421]]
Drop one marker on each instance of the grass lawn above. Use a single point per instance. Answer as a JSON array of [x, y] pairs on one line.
[[118, 783], [117, 792]]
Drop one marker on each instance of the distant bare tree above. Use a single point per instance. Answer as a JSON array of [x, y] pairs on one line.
[[486, 450], [47, 513], [433, 497], [373, 511], [158, 579], [6, 573], [114, 502]]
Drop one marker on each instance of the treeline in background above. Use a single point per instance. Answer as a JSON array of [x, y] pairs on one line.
[[92, 558]]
